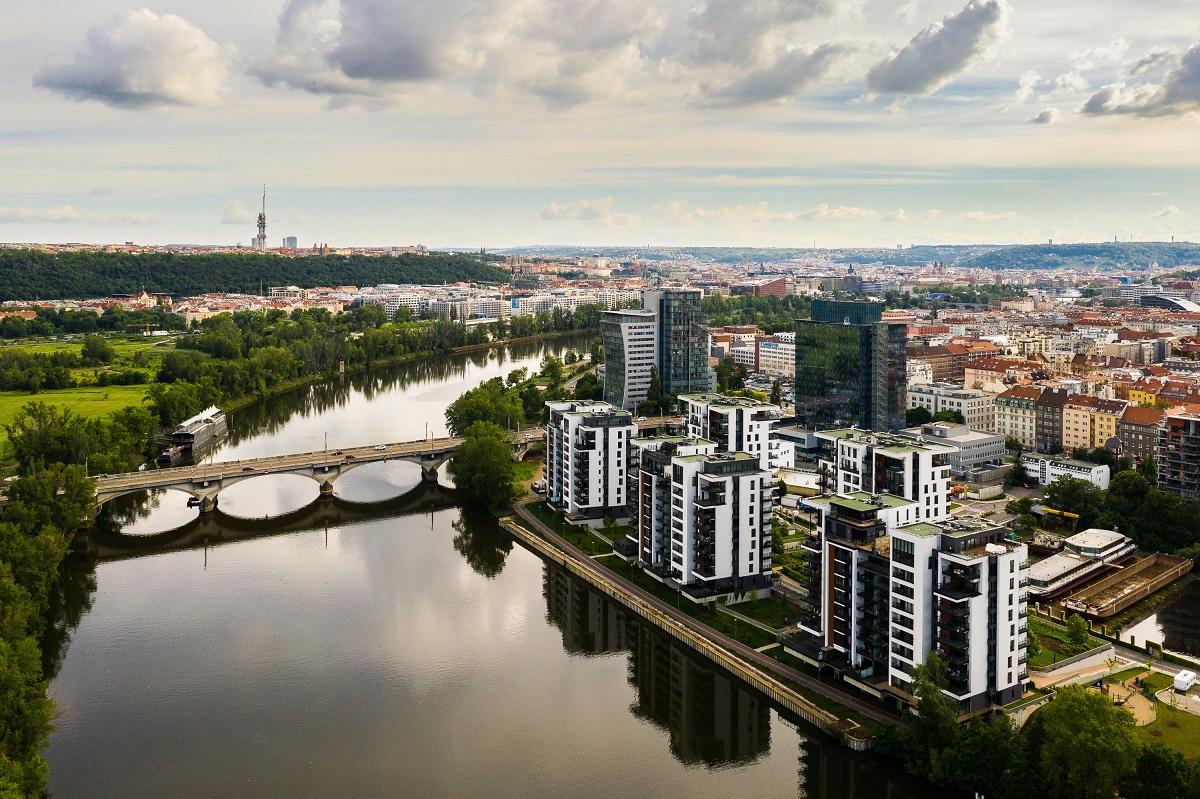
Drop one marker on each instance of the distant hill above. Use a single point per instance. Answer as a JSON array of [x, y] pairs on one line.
[[29, 274], [1111, 255]]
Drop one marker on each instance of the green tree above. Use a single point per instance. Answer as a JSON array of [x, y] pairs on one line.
[[950, 417], [654, 393], [489, 402], [776, 393], [1076, 496], [1149, 470], [552, 369], [982, 756], [935, 727], [1090, 745], [1161, 773], [915, 417], [96, 351], [483, 465], [1078, 636]]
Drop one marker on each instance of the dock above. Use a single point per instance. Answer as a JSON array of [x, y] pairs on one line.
[[1108, 597]]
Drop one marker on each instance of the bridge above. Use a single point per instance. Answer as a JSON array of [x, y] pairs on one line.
[[205, 481]]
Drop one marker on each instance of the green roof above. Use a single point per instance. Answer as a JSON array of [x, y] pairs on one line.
[[921, 529], [852, 504], [891, 500]]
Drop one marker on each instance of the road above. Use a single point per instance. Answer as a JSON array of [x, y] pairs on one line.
[[747, 653]]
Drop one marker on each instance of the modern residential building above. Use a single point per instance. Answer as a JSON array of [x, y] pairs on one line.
[[648, 496], [1016, 414], [1179, 454], [736, 424], [587, 446], [877, 601], [977, 408], [881, 463], [850, 367], [630, 341], [1137, 430], [682, 341], [1048, 413], [1048, 468], [704, 519]]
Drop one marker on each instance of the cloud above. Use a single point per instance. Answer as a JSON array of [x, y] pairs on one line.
[[236, 213], [67, 214], [1150, 62], [1026, 88], [143, 60], [761, 212], [102, 191], [791, 73], [591, 211], [1046, 117], [1113, 52], [931, 214], [1178, 94], [944, 49], [896, 216], [733, 31], [1068, 83], [984, 216], [1162, 213], [841, 213], [907, 12]]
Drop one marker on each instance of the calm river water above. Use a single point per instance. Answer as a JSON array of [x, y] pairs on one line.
[[389, 642]]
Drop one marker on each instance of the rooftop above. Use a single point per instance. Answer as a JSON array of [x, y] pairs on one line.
[[1095, 538], [921, 529]]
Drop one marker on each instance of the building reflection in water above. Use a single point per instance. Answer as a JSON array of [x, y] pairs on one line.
[[710, 718]]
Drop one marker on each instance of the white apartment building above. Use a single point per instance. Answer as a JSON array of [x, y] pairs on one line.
[[630, 340], [877, 601], [777, 356], [736, 424], [743, 356], [1048, 468], [919, 373], [648, 495], [883, 463], [587, 448], [978, 408], [719, 507]]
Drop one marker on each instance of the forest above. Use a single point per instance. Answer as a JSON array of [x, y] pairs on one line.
[[32, 274]]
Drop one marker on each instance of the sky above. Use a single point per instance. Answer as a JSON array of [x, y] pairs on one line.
[[498, 123]]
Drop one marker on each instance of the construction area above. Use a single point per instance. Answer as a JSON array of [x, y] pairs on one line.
[[1141, 578]]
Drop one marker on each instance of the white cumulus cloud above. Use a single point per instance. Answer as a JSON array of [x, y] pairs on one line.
[[1177, 95], [590, 211], [235, 212], [1162, 213], [143, 60], [896, 216], [940, 52], [1047, 117], [984, 216]]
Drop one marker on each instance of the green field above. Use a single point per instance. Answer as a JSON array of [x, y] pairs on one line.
[[125, 346], [89, 401], [1177, 728]]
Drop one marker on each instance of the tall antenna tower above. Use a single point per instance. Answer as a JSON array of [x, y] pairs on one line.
[[260, 243]]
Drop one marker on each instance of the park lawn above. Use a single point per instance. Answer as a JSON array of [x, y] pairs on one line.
[[772, 612], [89, 401], [1157, 681], [1127, 674], [1179, 730], [124, 346]]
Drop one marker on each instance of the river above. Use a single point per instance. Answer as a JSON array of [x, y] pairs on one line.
[[392, 641]]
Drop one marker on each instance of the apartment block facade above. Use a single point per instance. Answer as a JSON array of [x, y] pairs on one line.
[[880, 463], [1016, 414], [587, 446], [978, 408], [630, 341], [736, 424]]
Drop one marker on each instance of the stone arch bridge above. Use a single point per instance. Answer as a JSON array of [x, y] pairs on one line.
[[206, 481]]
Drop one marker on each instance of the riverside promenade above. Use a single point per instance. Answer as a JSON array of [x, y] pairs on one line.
[[758, 670]]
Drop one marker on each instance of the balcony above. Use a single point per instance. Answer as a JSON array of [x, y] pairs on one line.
[[961, 590]]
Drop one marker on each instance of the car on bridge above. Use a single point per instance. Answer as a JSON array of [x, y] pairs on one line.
[[350, 457], [381, 448], [247, 468]]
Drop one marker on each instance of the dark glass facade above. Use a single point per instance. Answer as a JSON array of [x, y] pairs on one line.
[[682, 342], [839, 312], [850, 374]]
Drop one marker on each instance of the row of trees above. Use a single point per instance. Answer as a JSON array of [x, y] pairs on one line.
[[46, 508], [1078, 746], [25, 274], [22, 370], [56, 322], [772, 314]]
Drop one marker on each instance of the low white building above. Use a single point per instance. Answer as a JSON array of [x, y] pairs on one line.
[[971, 447], [777, 355], [1048, 468], [587, 446]]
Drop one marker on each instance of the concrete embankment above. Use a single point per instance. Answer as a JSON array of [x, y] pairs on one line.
[[849, 732]]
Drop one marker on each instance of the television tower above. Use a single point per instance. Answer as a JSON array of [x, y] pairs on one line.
[[260, 242]]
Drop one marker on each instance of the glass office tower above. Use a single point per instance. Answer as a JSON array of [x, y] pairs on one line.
[[850, 367], [682, 341]]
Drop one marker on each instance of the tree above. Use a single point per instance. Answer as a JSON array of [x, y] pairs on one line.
[[1090, 744], [915, 417], [1161, 773], [1149, 470], [776, 393], [483, 465], [96, 351], [552, 369], [1078, 635], [1075, 496], [654, 393], [950, 417], [980, 759], [935, 727], [488, 402]]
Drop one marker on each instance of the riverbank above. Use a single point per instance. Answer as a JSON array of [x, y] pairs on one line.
[[846, 718], [302, 382]]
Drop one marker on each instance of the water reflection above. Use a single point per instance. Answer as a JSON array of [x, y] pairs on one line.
[[70, 600]]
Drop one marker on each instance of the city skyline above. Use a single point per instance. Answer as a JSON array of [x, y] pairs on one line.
[[835, 122]]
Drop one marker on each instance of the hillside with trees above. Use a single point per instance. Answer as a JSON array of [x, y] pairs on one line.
[[31, 274], [1107, 255]]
